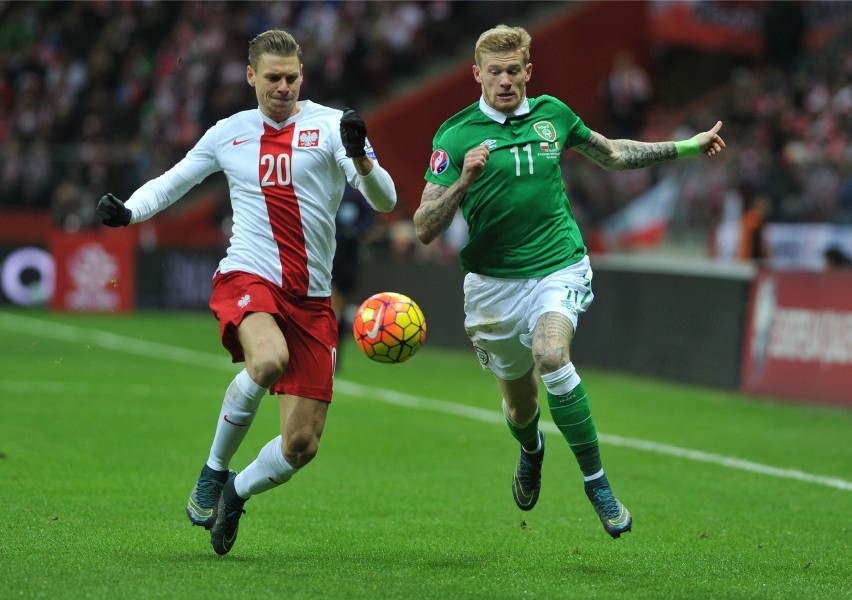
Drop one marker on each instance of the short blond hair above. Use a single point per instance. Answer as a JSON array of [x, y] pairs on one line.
[[503, 39], [276, 42]]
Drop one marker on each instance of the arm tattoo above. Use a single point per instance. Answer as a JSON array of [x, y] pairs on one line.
[[644, 154], [618, 155], [438, 206]]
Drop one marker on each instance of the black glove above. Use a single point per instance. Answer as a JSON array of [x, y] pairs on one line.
[[112, 212], [353, 133]]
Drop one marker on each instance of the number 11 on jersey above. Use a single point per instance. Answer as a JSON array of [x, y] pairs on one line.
[[517, 152]]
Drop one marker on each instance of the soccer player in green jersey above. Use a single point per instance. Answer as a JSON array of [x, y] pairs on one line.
[[528, 271]]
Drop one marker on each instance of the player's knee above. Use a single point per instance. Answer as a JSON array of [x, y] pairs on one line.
[[268, 368], [300, 448], [551, 361]]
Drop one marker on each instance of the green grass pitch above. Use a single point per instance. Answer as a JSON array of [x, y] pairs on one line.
[[106, 421]]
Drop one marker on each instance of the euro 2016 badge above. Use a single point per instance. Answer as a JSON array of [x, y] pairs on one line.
[[439, 162]]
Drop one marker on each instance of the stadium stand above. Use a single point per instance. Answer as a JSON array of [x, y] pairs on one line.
[[101, 96]]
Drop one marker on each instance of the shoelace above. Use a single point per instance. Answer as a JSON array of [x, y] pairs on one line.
[[527, 470], [605, 500], [207, 491]]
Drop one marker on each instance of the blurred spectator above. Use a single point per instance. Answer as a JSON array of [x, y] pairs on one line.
[[626, 95], [835, 258], [752, 224]]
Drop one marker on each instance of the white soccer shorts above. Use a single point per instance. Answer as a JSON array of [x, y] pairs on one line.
[[500, 314]]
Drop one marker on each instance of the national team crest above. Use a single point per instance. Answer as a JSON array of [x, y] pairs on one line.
[[308, 138], [439, 162], [546, 130], [482, 355]]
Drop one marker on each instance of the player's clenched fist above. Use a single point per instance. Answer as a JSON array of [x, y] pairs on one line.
[[112, 212], [474, 164], [353, 133]]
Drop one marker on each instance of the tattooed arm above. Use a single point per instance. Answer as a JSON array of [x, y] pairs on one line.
[[439, 203], [437, 208], [618, 155]]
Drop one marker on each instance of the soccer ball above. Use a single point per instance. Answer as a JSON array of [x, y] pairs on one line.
[[389, 327]]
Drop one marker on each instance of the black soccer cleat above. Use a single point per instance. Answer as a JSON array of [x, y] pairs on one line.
[[526, 482], [224, 531], [201, 506], [615, 518]]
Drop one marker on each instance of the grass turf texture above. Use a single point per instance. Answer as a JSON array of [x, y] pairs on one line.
[[101, 442]]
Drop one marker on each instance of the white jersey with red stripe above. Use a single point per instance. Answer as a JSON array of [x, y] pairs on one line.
[[286, 181]]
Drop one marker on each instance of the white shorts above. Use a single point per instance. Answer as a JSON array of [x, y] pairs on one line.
[[500, 314]]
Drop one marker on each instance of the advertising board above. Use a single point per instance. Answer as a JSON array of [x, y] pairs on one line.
[[798, 339]]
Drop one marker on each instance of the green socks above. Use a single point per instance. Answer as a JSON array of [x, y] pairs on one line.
[[572, 415]]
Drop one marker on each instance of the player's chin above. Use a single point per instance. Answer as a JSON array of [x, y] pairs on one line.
[[506, 103]]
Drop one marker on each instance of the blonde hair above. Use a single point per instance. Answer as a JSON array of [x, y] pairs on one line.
[[503, 39], [276, 42]]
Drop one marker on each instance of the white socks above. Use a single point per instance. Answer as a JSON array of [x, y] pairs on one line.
[[242, 399], [562, 381], [270, 469]]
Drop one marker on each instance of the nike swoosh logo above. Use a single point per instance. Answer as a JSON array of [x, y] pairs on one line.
[[378, 322], [238, 142], [229, 543], [621, 519], [232, 423], [204, 512], [522, 496]]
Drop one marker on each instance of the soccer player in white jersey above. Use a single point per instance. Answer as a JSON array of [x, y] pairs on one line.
[[287, 163], [528, 273]]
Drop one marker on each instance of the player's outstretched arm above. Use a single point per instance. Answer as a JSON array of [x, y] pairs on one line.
[[112, 212], [619, 155]]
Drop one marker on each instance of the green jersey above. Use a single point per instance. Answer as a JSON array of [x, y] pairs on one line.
[[520, 224]]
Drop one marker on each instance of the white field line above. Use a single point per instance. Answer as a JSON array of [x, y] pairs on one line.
[[120, 343]]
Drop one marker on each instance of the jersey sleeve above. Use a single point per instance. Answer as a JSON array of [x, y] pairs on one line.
[[163, 191], [444, 164], [576, 130], [378, 187]]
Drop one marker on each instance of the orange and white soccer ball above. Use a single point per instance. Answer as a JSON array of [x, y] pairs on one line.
[[389, 327]]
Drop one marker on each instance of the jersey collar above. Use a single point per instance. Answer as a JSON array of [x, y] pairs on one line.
[[301, 106], [501, 118]]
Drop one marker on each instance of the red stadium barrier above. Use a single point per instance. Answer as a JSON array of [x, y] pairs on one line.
[[798, 341]]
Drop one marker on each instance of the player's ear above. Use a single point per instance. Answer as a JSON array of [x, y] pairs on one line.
[[529, 71], [250, 75], [476, 74]]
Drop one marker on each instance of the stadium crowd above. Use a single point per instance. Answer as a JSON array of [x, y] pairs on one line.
[[789, 141], [102, 95]]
